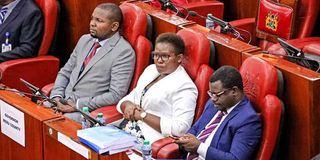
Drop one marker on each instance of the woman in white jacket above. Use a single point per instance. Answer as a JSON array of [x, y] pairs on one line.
[[164, 100]]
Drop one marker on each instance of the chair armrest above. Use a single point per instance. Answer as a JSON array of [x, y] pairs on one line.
[[39, 71], [170, 151], [247, 24], [46, 90], [157, 145], [109, 112]]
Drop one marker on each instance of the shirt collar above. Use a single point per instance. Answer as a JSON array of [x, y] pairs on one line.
[[11, 5]]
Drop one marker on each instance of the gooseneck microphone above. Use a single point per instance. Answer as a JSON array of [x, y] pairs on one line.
[[225, 26], [167, 4], [37, 93]]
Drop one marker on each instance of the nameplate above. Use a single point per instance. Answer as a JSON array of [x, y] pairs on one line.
[[73, 145], [12, 123]]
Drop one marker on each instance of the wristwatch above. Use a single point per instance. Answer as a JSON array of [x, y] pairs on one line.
[[143, 115]]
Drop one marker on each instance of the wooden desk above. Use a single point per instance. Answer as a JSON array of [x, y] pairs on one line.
[[228, 50], [301, 129], [161, 20], [54, 150], [34, 116]]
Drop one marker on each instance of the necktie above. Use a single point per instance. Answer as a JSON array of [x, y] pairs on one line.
[[96, 45], [3, 13], [207, 131]]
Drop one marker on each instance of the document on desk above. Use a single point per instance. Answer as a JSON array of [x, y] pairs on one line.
[[73, 145], [12, 123], [106, 139]]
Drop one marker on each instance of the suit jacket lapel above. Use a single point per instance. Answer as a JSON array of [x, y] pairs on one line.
[[15, 12], [233, 113], [109, 45]]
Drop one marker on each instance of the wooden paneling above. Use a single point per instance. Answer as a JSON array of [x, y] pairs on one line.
[[34, 116], [238, 9]]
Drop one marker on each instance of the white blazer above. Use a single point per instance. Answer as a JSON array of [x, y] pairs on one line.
[[172, 98]]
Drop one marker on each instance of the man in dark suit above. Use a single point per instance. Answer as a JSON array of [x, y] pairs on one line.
[[21, 25], [229, 127], [99, 71]]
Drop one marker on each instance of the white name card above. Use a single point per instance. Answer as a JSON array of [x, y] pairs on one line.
[[12, 123], [73, 145]]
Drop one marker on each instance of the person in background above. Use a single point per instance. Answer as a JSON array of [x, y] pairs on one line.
[[99, 70], [229, 127], [164, 100], [21, 29]]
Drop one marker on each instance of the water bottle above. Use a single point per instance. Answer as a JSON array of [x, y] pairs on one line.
[[146, 150], [209, 22], [84, 122], [101, 118]]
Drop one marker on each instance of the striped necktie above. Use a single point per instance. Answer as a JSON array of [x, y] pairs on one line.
[[3, 13], [206, 132]]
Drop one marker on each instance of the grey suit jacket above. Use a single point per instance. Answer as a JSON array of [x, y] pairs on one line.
[[105, 79]]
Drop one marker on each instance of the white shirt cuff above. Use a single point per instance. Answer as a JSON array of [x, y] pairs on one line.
[[165, 126], [77, 104], [202, 150]]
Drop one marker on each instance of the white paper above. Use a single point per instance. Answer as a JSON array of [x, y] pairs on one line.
[[73, 145], [12, 123]]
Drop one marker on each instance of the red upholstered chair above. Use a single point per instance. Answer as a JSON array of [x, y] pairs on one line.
[[286, 19], [196, 64], [134, 29], [309, 45], [260, 85], [40, 70]]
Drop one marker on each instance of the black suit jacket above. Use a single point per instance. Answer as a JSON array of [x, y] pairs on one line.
[[25, 25]]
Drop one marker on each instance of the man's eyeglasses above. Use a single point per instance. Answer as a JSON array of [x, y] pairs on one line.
[[217, 95], [164, 56]]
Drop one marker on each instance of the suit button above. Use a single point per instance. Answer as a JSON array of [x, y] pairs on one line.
[[73, 89]]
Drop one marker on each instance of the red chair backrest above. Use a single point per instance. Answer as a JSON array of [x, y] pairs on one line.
[[286, 19], [260, 80], [49, 10], [134, 29], [196, 60]]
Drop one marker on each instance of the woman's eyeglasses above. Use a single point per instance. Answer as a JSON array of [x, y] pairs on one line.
[[164, 56]]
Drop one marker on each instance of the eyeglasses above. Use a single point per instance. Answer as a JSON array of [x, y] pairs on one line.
[[164, 56], [216, 95]]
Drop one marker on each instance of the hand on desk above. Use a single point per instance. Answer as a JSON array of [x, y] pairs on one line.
[[67, 107], [189, 142]]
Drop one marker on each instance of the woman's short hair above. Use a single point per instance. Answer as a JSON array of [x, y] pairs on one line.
[[229, 77], [174, 40]]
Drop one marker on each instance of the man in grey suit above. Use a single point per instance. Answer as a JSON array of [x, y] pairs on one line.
[[103, 79]]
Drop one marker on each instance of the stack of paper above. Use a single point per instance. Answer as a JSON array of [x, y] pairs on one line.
[[106, 139]]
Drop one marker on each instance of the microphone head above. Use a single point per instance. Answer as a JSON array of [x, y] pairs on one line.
[[193, 13]]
